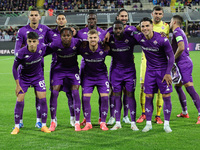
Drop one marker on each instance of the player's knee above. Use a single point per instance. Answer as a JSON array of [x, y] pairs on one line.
[[75, 87], [149, 95], [56, 87], [87, 94], [129, 94], [116, 93], [20, 98], [188, 84], [166, 95], [142, 85], [103, 94]]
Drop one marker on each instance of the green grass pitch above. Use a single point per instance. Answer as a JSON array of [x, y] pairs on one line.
[[185, 133]]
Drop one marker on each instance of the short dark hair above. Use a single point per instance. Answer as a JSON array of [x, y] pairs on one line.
[[118, 22], [92, 13], [179, 19], [118, 13], [158, 8], [60, 14], [34, 9], [63, 29], [32, 35], [146, 19]]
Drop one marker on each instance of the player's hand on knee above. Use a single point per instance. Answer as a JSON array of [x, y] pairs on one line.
[[18, 89], [168, 79]]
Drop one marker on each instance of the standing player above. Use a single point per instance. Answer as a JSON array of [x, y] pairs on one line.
[[122, 15], [44, 33], [61, 23], [83, 35], [158, 26], [185, 65], [122, 72], [160, 59], [31, 74], [66, 67], [95, 74]]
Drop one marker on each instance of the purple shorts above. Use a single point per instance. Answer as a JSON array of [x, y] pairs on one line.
[[66, 87], [59, 74], [185, 68], [153, 82], [89, 83], [36, 82], [123, 78]]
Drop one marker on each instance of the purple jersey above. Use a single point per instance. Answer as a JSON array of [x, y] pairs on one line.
[[82, 34], [94, 61], [43, 31], [179, 36], [31, 62], [156, 51], [127, 28], [122, 51], [66, 57]]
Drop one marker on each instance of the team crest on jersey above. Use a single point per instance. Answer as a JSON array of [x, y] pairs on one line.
[[74, 48], [40, 51], [155, 42], [55, 35], [26, 56], [101, 53], [41, 37], [84, 32], [163, 27], [59, 50], [40, 29], [112, 42], [126, 41], [86, 53], [166, 39], [142, 40], [27, 32]]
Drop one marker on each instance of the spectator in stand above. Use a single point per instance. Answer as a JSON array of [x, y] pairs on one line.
[[98, 2], [112, 6], [128, 2]]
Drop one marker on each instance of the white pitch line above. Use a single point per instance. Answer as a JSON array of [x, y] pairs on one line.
[[6, 59]]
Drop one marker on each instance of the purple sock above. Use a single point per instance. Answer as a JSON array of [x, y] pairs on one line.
[[118, 107], [83, 108], [112, 106], [132, 107], [195, 97], [18, 111], [100, 107], [167, 107], [38, 107], [21, 116], [43, 104], [149, 108], [87, 109], [70, 103], [77, 103], [104, 108], [53, 103], [182, 97], [125, 104]]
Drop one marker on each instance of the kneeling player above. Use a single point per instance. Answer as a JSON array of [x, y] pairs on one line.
[[31, 74]]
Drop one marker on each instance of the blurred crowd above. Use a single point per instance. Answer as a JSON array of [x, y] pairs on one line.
[[17, 5], [8, 34], [194, 30]]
